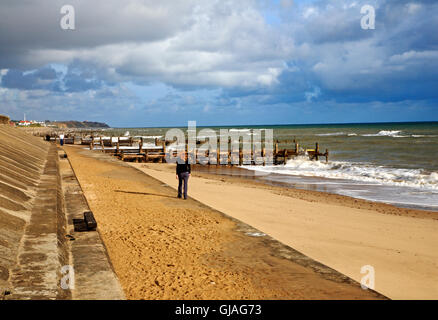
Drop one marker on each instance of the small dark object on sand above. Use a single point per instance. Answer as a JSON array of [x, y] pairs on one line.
[[89, 220]]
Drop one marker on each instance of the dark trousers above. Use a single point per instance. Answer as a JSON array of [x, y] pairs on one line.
[[183, 176], [61, 142]]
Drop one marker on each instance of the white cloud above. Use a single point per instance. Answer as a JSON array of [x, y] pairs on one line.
[[412, 8], [310, 11], [311, 95], [226, 44], [413, 55]]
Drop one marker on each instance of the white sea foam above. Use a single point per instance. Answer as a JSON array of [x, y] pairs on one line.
[[360, 172], [396, 134], [381, 133], [151, 146], [332, 134], [424, 136], [239, 130], [149, 137], [386, 133]]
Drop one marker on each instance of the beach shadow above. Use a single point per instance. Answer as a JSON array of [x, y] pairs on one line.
[[145, 193]]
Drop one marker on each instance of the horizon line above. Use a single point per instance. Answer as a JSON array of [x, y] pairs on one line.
[[286, 124]]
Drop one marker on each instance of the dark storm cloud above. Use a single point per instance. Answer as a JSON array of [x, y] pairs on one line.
[[39, 79], [32, 24]]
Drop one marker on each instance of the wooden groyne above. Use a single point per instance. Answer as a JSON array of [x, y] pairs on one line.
[[128, 148], [281, 156]]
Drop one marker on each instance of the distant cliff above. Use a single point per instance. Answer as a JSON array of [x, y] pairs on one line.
[[77, 124]]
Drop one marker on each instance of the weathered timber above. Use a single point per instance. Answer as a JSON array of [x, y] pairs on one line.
[[90, 222]]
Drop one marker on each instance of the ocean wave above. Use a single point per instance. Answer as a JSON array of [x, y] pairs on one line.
[[386, 133], [397, 134], [359, 172], [381, 133], [331, 134], [424, 135], [239, 130]]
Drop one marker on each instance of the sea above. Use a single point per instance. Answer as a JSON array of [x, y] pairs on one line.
[[395, 163]]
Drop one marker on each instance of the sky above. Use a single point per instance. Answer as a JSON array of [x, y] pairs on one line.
[[142, 63]]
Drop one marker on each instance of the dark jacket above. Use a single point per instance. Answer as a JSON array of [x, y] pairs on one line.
[[183, 167]]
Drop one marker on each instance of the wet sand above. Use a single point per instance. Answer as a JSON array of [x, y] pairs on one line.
[[338, 231], [162, 247]]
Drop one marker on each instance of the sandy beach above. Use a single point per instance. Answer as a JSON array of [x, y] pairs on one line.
[[341, 232], [162, 247]]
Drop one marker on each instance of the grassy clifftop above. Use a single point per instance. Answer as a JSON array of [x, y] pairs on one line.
[[4, 119], [79, 124]]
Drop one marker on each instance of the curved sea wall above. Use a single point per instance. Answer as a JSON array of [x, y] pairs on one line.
[[39, 200], [32, 222]]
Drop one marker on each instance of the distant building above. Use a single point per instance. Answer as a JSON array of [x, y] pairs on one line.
[[24, 123], [41, 123]]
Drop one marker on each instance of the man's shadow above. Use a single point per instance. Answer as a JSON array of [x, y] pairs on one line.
[[145, 193]]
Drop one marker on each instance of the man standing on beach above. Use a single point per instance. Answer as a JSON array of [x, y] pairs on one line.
[[61, 139], [183, 171]]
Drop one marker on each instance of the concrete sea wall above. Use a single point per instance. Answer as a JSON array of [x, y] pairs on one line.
[[36, 228]]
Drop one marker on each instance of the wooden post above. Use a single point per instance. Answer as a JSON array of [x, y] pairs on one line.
[[156, 142], [101, 144], [326, 155], [117, 147], [263, 156], [316, 151], [296, 147], [218, 156], [91, 146], [140, 149]]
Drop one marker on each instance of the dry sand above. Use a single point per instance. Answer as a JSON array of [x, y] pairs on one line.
[[337, 231], [162, 247]]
